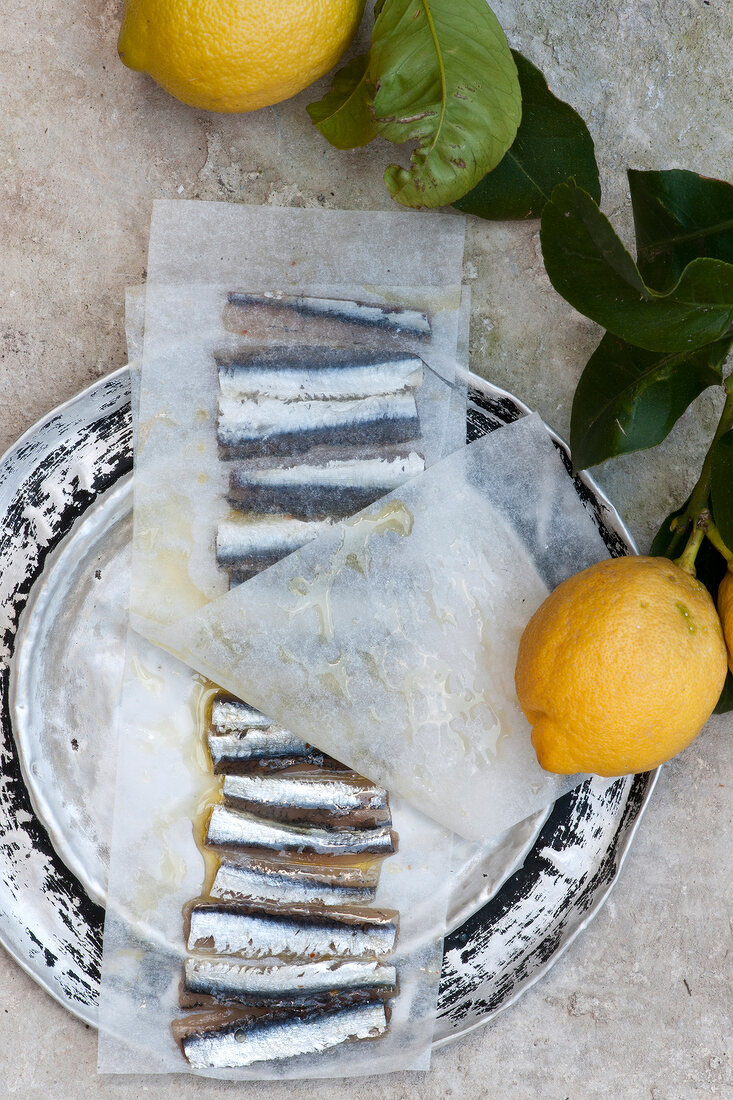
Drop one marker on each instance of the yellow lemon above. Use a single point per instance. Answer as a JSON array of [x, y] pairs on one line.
[[725, 610], [620, 667], [236, 55]]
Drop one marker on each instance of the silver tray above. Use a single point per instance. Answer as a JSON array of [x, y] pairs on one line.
[[65, 503]]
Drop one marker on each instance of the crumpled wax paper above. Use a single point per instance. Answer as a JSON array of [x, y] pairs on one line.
[[164, 783], [390, 641], [199, 252]]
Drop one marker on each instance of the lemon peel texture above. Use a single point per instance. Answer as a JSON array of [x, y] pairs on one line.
[[236, 55]]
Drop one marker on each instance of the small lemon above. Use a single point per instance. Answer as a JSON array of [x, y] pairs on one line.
[[620, 667], [725, 610], [236, 55]]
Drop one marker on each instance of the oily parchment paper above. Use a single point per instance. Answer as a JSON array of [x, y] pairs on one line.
[[390, 641], [199, 252], [163, 781]]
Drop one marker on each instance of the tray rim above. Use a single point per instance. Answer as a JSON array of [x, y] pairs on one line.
[[87, 1013]]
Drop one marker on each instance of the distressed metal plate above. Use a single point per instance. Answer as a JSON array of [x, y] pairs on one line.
[[65, 502], [65, 682], [48, 480]]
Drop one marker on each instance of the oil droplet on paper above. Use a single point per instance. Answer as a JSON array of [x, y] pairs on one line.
[[351, 553]]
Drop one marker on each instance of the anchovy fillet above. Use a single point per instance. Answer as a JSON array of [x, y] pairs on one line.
[[232, 829], [247, 744], [240, 1039], [294, 883], [224, 981], [310, 798], [259, 541], [248, 750], [409, 321], [329, 486], [297, 374], [268, 426], [232, 715], [260, 930]]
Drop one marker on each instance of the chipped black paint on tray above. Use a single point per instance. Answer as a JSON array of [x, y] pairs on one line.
[[540, 906], [45, 914], [537, 911]]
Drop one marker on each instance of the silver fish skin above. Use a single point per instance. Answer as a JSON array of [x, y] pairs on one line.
[[325, 486], [291, 885], [235, 1043], [411, 322], [232, 715], [267, 426], [264, 930], [210, 981], [255, 750], [255, 542], [231, 829], [299, 374], [327, 798], [358, 874]]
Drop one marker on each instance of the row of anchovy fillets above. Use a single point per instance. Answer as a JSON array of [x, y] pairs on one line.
[[287, 953], [313, 433]]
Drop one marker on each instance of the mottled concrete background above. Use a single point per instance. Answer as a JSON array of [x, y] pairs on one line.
[[641, 1003]]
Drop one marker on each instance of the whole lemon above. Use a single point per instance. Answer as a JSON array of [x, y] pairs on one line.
[[236, 55], [620, 667], [725, 610]]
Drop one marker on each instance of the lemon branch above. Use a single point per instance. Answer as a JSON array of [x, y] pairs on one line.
[[686, 560], [713, 535], [697, 511]]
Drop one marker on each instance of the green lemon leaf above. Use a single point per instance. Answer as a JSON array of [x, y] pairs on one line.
[[628, 399], [721, 487], [445, 78], [709, 568], [552, 144], [679, 217], [344, 115], [725, 702], [669, 541], [587, 263]]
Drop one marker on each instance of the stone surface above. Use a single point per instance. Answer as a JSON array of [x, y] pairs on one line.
[[640, 1004]]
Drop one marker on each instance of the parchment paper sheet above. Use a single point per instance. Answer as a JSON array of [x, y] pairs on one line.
[[162, 779], [198, 253], [390, 641]]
